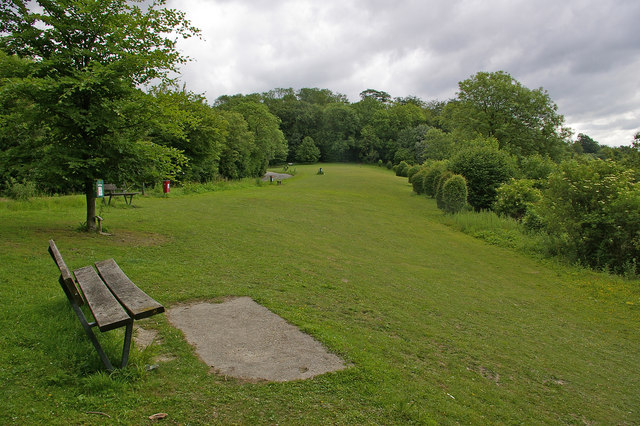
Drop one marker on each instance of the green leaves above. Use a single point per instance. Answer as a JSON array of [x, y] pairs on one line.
[[524, 121]]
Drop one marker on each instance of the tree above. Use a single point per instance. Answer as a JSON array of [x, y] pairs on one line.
[[524, 121], [434, 145], [584, 144], [307, 151], [485, 169], [379, 95], [269, 141], [194, 128], [89, 58]]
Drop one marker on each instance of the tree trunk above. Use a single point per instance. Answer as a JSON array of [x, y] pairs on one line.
[[91, 208]]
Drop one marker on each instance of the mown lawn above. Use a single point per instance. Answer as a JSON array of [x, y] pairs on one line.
[[437, 326]]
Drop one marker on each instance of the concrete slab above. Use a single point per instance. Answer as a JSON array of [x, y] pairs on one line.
[[243, 339]]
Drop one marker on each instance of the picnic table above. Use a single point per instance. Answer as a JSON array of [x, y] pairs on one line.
[[112, 190]]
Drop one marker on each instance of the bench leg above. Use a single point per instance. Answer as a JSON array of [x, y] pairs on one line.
[[92, 336], [127, 344]]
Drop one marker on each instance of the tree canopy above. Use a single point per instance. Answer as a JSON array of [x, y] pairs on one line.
[[86, 61], [524, 121]]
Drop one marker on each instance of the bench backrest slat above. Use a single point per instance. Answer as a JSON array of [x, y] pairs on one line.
[[110, 187], [135, 301], [66, 280]]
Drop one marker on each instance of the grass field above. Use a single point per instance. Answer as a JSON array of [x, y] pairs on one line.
[[437, 326]]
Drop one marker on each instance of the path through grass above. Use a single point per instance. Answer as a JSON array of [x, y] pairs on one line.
[[438, 326]]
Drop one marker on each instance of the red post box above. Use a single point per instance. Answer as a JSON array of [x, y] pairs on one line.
[[166, 186]]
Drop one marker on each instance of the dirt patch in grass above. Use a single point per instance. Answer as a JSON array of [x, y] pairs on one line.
[[242, 339]]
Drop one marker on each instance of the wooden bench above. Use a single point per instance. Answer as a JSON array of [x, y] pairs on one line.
[[112, 190], [114, 300]]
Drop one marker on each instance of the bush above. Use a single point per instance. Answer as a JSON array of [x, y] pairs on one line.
[[402, 169], [412, 171], [444, 176], [417, 181], [516, 197], [389, 165], [485, 169], [431, 179], [454, 194], [592, 208], [21, 191], [536, 167]]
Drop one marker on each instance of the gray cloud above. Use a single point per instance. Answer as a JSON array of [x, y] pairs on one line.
[[585, 53]]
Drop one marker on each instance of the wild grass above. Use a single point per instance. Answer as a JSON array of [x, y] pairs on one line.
[[502, 231], [437, 326]]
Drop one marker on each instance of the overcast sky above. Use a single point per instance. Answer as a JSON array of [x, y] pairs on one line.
[[585, 53]]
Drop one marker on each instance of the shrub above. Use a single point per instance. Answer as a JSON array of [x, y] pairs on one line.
[[454, 194], [438, 186], [516, 197], [379, 163], [21, 191], [402, 169], [485, 169], [431, 179], [417, 181], [537, 167], [389, 165], [592, 208], [412, 171]]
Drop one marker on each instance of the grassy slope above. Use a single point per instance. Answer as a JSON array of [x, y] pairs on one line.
[[438, 326]]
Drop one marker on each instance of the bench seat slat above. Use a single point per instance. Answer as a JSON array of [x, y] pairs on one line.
[[105, 308], [135, 301]]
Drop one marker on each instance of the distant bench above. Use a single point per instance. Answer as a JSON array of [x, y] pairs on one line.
[[112, 190], [113, 299]]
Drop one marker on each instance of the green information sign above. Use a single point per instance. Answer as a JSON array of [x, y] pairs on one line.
[[99, 190]]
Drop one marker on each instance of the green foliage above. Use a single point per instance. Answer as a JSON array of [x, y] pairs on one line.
[[402, 169], [412, 171], [403, 155], [430, 181], [389, 165], [454, 194], [268, 142], [417, 181], [235, 158], [514, 198], [192, 126], [307, 151], [87, 60], [435, 145], [524, 121], [536, 167], [593, 209], [485, 169], [439, 185], [20, 191]]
